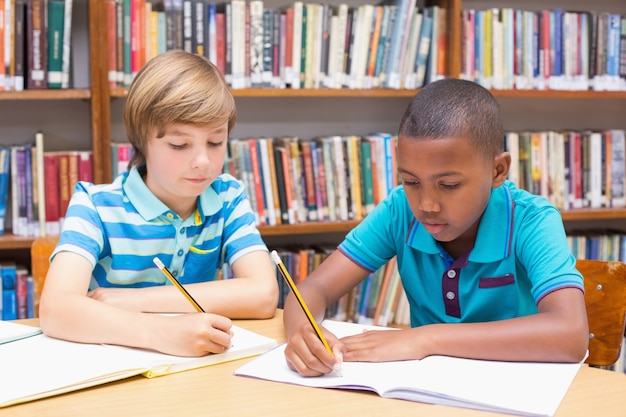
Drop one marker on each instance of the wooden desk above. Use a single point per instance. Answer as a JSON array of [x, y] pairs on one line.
[[214, 391]]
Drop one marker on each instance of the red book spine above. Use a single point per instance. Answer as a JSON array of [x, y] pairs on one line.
[[220, 30], [258, 187], [51, 180], [309, 181]]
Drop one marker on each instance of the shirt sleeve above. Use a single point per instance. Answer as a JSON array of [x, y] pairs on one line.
[[543, 251], [375, 240]]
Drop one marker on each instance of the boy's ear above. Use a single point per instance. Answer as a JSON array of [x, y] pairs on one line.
[[501, 166]]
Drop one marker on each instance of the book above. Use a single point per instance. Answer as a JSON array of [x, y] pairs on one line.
[[5, 173], [521, 388], [37, 367], [36, 44], [67, 35], [11, 331]]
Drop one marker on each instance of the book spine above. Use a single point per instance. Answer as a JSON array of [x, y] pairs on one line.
[[37, 49], [220, 39], [56, 12], [366, 173], [258, 183], [309, 181], [2, 47], [187, 28], [9, 32], [67, 44], [256, 43], [19, 44], [281, 185], [51, 172], [5, 157]]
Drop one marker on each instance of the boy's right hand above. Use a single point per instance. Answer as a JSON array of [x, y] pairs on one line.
[[193, 334], [305, 353]]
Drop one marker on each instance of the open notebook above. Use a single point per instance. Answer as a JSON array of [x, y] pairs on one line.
[[522, 388], [41, 366], [10, 332]]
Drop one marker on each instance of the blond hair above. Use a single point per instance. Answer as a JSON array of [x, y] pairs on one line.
[[175, 87]]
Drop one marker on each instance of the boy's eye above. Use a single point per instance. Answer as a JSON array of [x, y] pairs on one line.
[[215, 144], [409, 183], [450, 186], [175, 146]]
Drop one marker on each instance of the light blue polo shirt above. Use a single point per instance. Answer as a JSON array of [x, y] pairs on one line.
[[120, 227], [520, 255]]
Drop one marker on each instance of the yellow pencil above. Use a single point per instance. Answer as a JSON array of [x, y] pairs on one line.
[[178, 285], [296, 293]]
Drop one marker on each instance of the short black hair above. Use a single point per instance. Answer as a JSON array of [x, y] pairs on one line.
[[455, 108]]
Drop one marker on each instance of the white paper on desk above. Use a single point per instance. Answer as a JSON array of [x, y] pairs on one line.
[[41, 366], [521, 388], [10, 332]]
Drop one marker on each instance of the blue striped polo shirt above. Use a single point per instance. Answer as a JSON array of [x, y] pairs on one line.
[[120, 227], [520, 255]]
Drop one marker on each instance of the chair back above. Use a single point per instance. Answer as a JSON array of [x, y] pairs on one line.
[[605, 298], [40, 252]]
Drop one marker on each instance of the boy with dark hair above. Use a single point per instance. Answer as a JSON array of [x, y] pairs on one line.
[[485, 265]]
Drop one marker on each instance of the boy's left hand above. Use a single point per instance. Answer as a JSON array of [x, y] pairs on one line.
[[382, 346]]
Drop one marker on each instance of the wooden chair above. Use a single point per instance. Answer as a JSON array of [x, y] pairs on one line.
[[605, 298], [40, 252]]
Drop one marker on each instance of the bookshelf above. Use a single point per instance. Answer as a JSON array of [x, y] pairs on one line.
[[89, 116]]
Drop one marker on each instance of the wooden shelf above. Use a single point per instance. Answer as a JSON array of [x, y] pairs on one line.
[[307, 93], [620, 95], [310, 228], [383, 92], [71, 94], [9, 241], [593, 214]]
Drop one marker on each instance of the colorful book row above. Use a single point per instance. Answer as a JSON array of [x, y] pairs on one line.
[[35, 40], [544, 50], [291, 180], [17, 288], [572, 169], [38, 185], [306, 45]]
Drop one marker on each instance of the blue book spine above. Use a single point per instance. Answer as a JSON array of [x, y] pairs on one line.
[[535, 45], [389, 171], [9, 305], [5, 157], [402, 12], [613, 47], [30, 294], [423, 48], [479, 45], [9, 293]]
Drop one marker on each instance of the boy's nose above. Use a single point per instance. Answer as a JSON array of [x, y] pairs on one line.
[[428, 204], [200, 160]]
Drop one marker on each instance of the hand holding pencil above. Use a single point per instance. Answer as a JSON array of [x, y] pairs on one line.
[[296, 293], [198, 333]]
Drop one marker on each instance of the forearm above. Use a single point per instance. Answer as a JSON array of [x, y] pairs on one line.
[[233, 298], [537, 337], [96, 322]]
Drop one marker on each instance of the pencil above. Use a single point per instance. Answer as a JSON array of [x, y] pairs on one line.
[[296, 293], [178, 285]]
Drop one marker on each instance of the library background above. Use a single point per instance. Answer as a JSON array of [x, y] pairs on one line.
[[320, 89]]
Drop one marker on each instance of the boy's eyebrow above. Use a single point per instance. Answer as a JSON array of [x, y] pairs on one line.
[[435, 176]]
